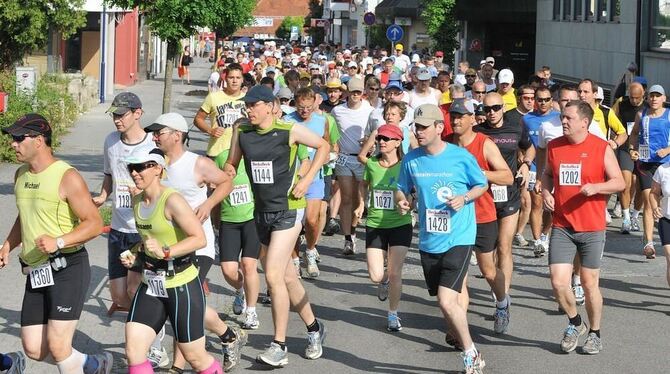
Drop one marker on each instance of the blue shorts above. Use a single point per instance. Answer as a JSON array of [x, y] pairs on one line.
[[316, 190]]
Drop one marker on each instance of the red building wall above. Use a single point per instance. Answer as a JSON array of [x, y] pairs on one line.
[[125, 55]]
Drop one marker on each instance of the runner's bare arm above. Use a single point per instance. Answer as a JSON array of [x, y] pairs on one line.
[[614, 183], [366, 147], [211, 175], [305, 136], [548, 187], [105, 190], [178, 211], [634, 142], [234, 155], [501, 174]]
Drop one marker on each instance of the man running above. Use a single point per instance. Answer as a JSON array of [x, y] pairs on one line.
[[447, 179], [56, 218], [269, 148], [581, 171]]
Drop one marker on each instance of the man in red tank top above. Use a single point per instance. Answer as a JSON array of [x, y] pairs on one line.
[[581, 171], [492, 163]]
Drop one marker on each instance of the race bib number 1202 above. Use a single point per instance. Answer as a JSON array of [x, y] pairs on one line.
[[570, 175]]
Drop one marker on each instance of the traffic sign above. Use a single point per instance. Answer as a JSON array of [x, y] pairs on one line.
[[369, 18], [394, 33]]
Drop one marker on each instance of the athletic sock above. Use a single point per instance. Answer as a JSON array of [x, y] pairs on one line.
[[143, 368], [472, 350], [73, 364], [502, 304], [5, 362], [251, 309], [626, 214], [597, 332], [314, 327], [576, 320], [228, 336], [393, 313], [177, 370], [281, 345], [576, 280], [635, 214], [91, 365], [214, 368]]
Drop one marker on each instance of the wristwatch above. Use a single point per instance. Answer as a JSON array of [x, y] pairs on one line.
[[60, 243], [466, 199], [166, 252], [528, 163]]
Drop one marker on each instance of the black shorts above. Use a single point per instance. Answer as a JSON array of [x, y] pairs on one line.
[[385, 238], [184, 306], [117, 243], [625, 161], [64, 300], [204, 263], [238, 237], [645, 173], [269, 222], [487, 236], [328, 187], [664, 230], [512, 205], [446, 269]]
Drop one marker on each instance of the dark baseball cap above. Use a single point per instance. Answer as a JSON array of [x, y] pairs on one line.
[[124, 102], [29, 124], [462, 106], [259, 93]]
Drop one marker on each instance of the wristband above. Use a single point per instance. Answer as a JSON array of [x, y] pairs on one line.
[[166, 252]]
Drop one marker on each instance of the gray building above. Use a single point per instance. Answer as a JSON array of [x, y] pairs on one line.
[[599, 38]]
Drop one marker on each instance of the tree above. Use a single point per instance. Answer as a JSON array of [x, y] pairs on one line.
[[441, 25], [284, 30], [23, 25], [174, 20], [318, 34]]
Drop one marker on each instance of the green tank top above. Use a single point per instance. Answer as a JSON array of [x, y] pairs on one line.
[[41, 210], [239, 205], [158, 227], [383, 182]]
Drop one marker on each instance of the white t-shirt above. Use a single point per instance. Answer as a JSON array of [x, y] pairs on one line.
[[402, 62], [351, 123], [552, 129], [432, 97], [662, 177], [115, 151], [213, 81]]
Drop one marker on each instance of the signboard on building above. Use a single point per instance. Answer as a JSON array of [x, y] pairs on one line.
[[25, 80], [319, 22], [295, 34], [403, 21], [263, 22]]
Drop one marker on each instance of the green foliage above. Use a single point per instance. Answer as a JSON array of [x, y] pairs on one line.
[[106, 215], [441, 25], [50, 100], [284, 30], [318, 34], [377, 36], [24, 25]]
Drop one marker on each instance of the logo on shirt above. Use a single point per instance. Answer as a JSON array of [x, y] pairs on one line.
[[144, 226], [31, 186], [443, 191]]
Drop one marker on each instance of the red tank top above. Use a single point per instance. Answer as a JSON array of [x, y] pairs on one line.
[[485, 208], [572, 166]]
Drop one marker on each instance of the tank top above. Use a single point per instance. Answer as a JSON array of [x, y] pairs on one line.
[[416, 101], [239, 205], [485, 208], [156, 226], [654, 135], [272, 165], [41, 210], [181, 177], [574, 165]]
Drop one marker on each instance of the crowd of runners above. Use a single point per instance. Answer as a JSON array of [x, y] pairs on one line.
[[305, 143]]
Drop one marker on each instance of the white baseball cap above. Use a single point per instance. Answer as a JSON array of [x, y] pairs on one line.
[[170, 120], [506, 76]]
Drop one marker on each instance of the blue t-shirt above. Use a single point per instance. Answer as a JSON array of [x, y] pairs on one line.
[[654, 135], [316, 123], [452, 172], [533, 122]]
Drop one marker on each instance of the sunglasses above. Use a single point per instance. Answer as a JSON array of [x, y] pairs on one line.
[[21, 138], [543, 99], [384, 138], [495, 108], [138, 168], [528, 97], [479, 92], [373, 88], [470, 76]]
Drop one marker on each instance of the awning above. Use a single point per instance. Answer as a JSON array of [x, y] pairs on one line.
[[399, 8], [515, 11]]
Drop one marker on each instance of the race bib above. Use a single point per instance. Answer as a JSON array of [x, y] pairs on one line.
[[629, 127], [123, 200], [341, 160], [261, 172], [644, 152], [570, 175], [382, 199], [438, 221], [532, 177], [41, 276], [155, 284], [240, 195], [230, 115], [499, 193]]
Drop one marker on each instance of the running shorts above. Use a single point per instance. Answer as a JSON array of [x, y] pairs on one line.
[[487, 236], [269, 222], [236, 238], [446, 269], [565, 243], [384, 238], [117, 243]]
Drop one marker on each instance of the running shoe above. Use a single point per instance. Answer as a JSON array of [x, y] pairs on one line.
[[303, 240], [538, 248], [240, 302], [383, 291], [265, 298], [451, 340], [473, 363], [571, 337], [473, 259], [649, 251], [158, 357], [19, 363], [501, 320], [273, 356], [608, 217], [626, 226], [318, 256], [315, 341], [520, 240], [634, 224], [593, 345], [349, 248], [578, 290], [232, 352], [296, 264], [616, 212], [332, 227], [312, 267], [393, 323], [250, 321], [105, 363]]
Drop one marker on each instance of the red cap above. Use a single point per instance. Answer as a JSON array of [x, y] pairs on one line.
[[390, 131], [439, 54], [221, 63]]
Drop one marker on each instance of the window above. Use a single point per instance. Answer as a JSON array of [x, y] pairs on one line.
[[567, 10], [616, 10], [590, 10], [579, 10], [603, 11], [659, 33], [557, 10]]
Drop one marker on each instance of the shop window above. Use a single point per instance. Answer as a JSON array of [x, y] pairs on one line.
[[659, 30]]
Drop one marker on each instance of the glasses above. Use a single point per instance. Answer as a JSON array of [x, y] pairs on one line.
[[356, 93], [120, 116], [479, 92], [470, 76], [373, 88], [495, 108], [252, 105], [159, 133], [138, 168], [21, 138], [543, 99], [383, 138], [528, 97], [394, 92]]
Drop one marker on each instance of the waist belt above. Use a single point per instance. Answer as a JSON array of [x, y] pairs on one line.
[[179, 264]]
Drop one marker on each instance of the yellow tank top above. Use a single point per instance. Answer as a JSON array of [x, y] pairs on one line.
[[158, 227], [41, 210]]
